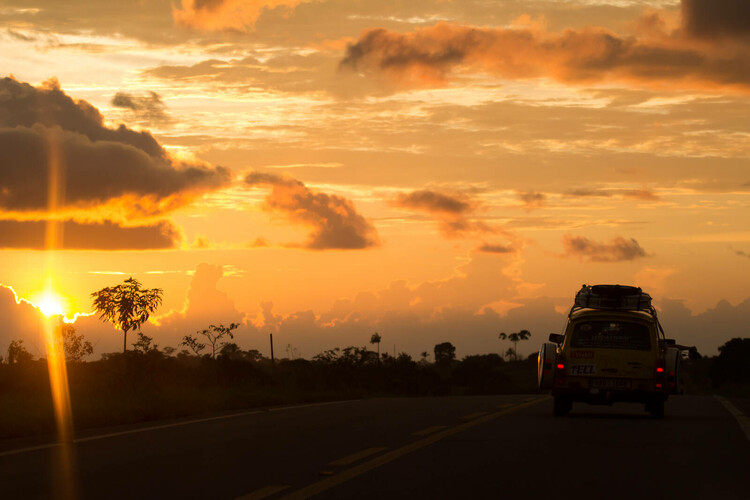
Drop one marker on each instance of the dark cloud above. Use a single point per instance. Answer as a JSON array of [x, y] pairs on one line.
[[333, 220], [21, 321], [742, 254], [532, 200], [99, 165], [716, 18], [489, 248], [94, 236], [434, 202], [22, 105], [617, 250], [454, 212], [588, 193], [149, 108], [427, 57]]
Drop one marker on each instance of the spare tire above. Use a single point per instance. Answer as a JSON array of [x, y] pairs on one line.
[[546, 365]]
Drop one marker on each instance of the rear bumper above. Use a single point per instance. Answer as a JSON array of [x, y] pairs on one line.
[[609, 396]]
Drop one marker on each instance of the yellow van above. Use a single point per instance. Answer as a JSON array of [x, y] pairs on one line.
[[613, 349]]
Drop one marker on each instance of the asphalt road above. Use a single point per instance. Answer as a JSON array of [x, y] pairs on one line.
[[462, 447]]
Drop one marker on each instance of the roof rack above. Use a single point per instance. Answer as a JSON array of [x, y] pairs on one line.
[[614, 298]]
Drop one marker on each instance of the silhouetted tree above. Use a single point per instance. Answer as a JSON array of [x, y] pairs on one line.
[[127, 306], [17, 353], [515, 338], [731, 364], [145, 344], [75, 347], [230, 350], [375, 339], [445, 353], [213, 335]]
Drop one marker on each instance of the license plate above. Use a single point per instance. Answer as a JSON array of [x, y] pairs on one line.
[[610, 383]]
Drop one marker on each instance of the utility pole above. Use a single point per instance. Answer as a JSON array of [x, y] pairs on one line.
[[270, 335]]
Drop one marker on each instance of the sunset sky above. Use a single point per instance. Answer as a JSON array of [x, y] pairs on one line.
[[431, 170]]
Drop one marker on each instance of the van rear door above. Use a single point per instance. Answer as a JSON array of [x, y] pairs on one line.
[[612, 348]]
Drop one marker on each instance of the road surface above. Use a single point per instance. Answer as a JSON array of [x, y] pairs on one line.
[[455, 447]]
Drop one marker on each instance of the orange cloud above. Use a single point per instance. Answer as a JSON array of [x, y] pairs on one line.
[[429, 57], [617, 250], [453, 212], [214, 15], [333, 220]]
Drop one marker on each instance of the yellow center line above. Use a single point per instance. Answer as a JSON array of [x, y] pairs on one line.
[[741, 418], [263, 493], [356, 457], [429, 430], [357, 470]]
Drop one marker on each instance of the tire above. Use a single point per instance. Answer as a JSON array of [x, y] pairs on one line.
[[562, 406], [656, 409]]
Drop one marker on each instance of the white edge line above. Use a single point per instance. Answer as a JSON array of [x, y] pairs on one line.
[[741, 418], [166, 426]]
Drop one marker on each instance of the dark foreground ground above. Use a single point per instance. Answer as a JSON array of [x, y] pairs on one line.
[[451, 447]]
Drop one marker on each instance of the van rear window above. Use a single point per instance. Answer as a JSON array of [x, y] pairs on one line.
[[611, 335]]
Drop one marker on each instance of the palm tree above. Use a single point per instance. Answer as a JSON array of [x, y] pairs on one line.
[[127, 306], [515, 338], [375, 339]]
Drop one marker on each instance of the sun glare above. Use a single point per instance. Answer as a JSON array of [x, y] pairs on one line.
[[50, 303]]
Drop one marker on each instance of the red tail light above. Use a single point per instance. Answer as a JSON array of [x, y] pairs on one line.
[[560, 370], [658, 386], [659, 369]]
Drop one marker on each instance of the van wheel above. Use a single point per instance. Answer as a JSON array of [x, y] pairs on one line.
[[656, 409], [562, 406]]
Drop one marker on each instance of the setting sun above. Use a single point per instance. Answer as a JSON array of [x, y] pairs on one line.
[[49, 303]]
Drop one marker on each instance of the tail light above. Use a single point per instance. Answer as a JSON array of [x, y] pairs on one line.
[[560, 370], [659, 374]]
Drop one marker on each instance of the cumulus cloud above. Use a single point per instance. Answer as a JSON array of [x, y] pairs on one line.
[[453, 212], [616, 250], [333, 220], [121, 172], [93, 236], [238, 15], [21, 321], [430, 56], [149, 108]]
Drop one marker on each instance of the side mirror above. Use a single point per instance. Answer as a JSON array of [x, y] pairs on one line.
[[669, 341], [556, 338]]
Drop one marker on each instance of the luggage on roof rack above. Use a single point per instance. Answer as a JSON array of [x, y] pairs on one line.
[[623, 297]]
